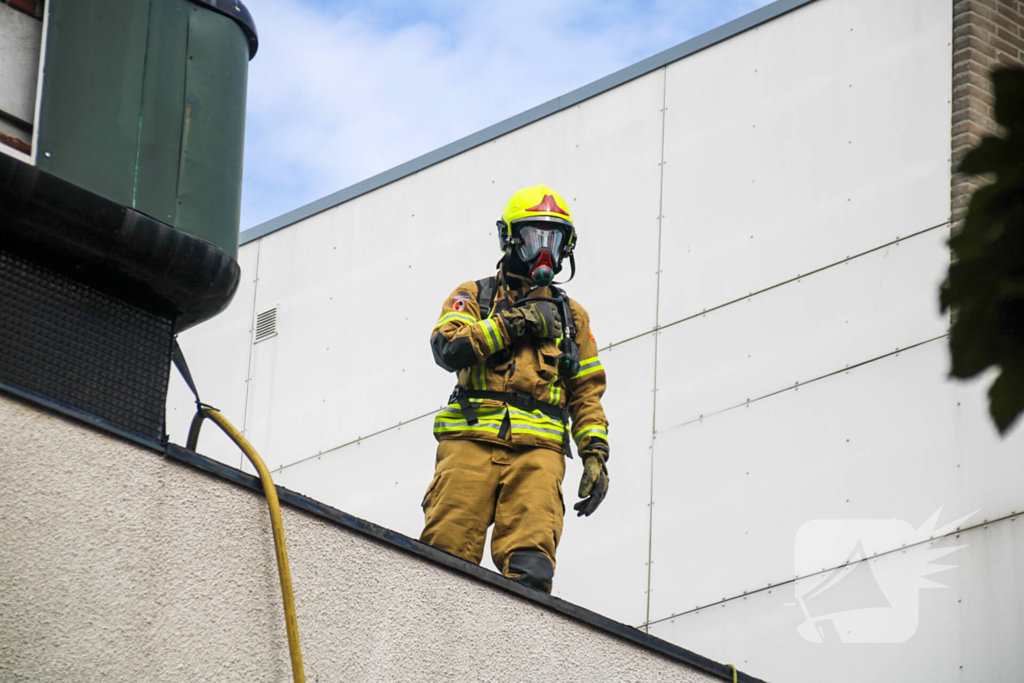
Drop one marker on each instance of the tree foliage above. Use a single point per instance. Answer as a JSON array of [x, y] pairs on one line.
[[985, 284]]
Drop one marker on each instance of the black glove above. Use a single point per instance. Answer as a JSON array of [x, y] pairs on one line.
[[538, 319], [594, 484]]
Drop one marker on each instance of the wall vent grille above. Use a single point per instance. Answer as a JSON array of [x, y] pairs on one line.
[[266, 325]]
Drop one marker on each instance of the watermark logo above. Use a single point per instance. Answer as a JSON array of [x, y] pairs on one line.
[[848, 596]]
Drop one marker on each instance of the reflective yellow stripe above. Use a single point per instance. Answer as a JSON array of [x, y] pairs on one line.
[[493, 339], [588, 366], [533, 415], [543, 433], [481, 427], [590, 430], [454, 316], [490, 418], [454, 412], [479, 377], [537, 423], [451, 419]]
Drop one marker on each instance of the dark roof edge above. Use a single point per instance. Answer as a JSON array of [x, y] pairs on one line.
[[402, 542], [641, 68]]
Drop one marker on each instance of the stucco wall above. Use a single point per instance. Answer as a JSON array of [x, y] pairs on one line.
[[121, 565]]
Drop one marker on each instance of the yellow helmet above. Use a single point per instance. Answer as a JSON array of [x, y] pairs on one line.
[[535, 204]]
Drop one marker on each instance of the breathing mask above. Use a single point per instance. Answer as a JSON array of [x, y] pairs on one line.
[[539, 247]]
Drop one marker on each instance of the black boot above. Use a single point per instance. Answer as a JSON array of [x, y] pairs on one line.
[[531, 568]]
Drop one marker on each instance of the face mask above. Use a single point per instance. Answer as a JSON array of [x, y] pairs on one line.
[[540, 244], [534, 240]]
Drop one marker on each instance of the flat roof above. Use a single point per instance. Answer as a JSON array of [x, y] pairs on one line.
[[641, 68]]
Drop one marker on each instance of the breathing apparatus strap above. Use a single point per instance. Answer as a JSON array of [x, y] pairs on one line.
[[572, 273], [569, 360], [486, 291], [568, 323]]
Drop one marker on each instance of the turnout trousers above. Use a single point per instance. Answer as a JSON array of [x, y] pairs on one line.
[[517, 489]]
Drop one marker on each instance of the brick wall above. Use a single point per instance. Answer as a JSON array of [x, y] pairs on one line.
[[987, 34]]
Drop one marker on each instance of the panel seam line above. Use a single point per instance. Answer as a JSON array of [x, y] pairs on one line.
[[797, 385], [252, 341], [142, 104], [657, 323], [776, 285]]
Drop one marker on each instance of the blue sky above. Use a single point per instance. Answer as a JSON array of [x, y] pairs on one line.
[[340, 91]]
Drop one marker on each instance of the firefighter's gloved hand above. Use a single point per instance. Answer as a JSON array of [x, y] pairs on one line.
[[538, 319], [594, 484]]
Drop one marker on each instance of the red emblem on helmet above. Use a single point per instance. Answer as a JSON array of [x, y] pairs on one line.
[[549, 204]]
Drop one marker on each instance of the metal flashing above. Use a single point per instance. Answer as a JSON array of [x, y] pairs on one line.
[[629, 73]]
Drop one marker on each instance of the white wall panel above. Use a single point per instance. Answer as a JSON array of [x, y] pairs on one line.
[[602, 156], [879, 441], [814, 137], [360, 286], [609, 548], [218, 357], [845, 315], [20, 39], [381, 479], [974, 624]]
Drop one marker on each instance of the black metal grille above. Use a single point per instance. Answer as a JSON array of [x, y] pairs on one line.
[[266, 325], [82, 349]]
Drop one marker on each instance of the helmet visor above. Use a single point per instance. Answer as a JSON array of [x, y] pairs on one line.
[[535, 239]]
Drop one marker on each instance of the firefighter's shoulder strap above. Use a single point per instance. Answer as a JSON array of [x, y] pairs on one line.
[[486, 290], [567, 320]]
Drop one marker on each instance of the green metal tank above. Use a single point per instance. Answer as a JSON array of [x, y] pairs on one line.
[[132, 182], [143, 103]]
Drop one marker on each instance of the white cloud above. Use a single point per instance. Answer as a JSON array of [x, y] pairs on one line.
[[338, 93]]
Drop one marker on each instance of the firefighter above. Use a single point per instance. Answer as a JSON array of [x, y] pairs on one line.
[[526, 363]]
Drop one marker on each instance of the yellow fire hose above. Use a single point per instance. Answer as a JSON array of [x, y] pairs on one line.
[[291, 624]]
